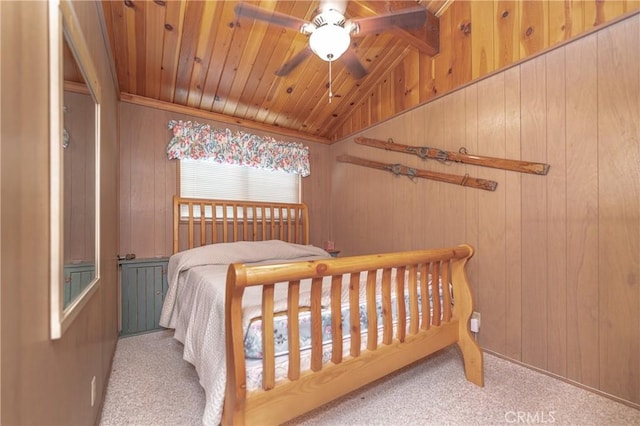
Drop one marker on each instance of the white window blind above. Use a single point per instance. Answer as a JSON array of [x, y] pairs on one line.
[[211, 180]]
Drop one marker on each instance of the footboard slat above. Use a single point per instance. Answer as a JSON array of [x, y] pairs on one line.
[[446, 293], [316, 324], [401, 306], [435, 293], [336, 319], [387, 320], [424, 289], [293, 312], [414, 325], [268, 366], [372, 315], [354, 313]]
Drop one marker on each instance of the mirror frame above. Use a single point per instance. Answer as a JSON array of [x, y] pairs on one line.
[[63, 23]]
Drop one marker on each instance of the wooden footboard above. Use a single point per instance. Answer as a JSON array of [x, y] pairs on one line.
[[427, 328]]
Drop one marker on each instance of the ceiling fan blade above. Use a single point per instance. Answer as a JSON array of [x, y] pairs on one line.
[[411, 18], [247, 10], [294, 62], [353, 64]]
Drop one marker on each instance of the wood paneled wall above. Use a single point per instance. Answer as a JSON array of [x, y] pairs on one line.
[[148, 181], [43, 381], [556, 274], [477, 38]]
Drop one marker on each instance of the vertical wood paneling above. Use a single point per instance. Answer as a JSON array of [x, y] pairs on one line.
[[401, 187], [202, 55], [386, 106], [556, 213], [155, 16], [559, 21], [427, 80], [432, 191], [444, 60], [188, 45], [534, 214], [130, 18], [471, 225], [619, 208], [582, 211], [461, 41], [507, 42], [160, 205], [174, 17], [575, 18], [482, 38], [453, 140], [411, 80], [142, 184], [513, 230], [492, 212], [479, 37], [534, 35]]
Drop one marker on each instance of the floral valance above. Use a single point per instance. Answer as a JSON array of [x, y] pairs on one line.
[[192, 140]]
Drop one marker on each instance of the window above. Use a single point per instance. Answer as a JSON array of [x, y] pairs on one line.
[[212, 180]]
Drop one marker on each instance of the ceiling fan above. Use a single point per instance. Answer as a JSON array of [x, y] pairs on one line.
[[330, 31]]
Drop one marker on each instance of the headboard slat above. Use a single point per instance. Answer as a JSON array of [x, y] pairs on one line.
[[229, 221]]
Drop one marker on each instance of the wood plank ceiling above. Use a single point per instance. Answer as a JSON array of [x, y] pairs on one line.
[[200, 55]]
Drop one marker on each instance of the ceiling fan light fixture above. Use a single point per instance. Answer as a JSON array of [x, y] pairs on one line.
[[329, 41]]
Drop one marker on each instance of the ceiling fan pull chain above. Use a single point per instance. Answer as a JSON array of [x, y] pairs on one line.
[[330, 92]]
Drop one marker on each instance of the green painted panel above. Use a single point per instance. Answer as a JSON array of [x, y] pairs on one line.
[[76, 278], [144, 285]]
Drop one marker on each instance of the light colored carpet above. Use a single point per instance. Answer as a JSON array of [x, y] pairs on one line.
[[151, 385]]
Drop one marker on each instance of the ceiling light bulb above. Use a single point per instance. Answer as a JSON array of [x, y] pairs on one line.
[[329, 41]]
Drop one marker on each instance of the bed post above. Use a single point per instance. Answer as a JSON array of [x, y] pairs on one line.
[[471, 351], [236, 387]]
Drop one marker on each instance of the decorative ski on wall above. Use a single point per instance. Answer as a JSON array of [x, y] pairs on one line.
[[425, 152], [399, 169]]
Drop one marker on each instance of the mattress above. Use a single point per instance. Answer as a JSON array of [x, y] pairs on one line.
[[253, 335]]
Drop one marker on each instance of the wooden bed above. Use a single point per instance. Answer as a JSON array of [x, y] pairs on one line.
[[431, 323]]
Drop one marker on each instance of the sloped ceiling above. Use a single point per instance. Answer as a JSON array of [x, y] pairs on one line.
[[200, 55]]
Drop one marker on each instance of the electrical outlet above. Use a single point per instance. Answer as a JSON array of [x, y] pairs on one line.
[[93, 391], [475, 322]]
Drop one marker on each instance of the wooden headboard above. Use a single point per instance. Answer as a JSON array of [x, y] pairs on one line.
[[236, 221]]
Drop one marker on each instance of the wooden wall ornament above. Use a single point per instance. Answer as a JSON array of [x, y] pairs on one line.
[[399, 169], [462, 156]]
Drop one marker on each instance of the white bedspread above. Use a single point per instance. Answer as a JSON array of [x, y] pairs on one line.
[[194, 305]]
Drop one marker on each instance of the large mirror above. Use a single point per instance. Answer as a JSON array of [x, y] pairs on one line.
[[74, 164]]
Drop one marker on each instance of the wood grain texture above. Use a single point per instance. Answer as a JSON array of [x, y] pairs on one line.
[[492, 213], [326, 381], [618, 208], [513, 224], [201, 55], [364, 212], [582, 211], [504, 33], [556, 213], [562, 296], [482, 38], [534, 214]]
